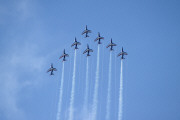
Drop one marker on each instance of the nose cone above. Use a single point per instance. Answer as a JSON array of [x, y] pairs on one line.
[[98, 34], [75, 39]]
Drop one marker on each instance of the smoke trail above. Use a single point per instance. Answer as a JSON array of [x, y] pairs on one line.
[[109, 89], [71, 108], [95, 96], [60, 94], [121, 93], [86, 86]]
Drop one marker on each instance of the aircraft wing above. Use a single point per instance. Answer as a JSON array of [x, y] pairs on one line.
[[73, 44], [89, 31], [54, 69], [108, 46], [83, 32], [119, 54], [66, 55], [61, 56], [49, 70], [102, 38], [78, 43], [96, 39], [85, 51], [125, 53], [90, 50], [114, 44]]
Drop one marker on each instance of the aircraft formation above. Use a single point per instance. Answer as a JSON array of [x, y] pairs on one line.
[[88, 50]]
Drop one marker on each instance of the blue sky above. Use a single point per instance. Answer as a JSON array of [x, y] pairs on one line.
[[33, 34]]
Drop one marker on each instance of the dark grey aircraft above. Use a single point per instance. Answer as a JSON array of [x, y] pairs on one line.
[[99, 38], [86, 31], [111, 45], [64, 55], [51, 69], [87, 51], [75, 44], [122, 53]]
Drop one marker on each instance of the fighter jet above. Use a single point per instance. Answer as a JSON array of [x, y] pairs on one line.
[[51, 69], [122, 53], [87, 51], [75, 44], [98, 38], [64, 55], [111, 45], [86, 31]]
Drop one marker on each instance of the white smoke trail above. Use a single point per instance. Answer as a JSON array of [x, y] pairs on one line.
[[71, 108], [109, 88], [86, 86], [121, 93], [95, 96], [60, 95]]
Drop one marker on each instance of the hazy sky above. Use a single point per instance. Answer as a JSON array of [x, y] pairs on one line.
[[33, 34]]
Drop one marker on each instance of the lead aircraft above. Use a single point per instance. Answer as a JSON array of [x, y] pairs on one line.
[[64, 55], [51, 69], [86, 31], [122, 53], [111, 45], [88, 50]]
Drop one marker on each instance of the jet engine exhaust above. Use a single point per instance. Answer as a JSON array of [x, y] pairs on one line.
[[120, 112], [95, 95], [109, 89], [71, 108], [60, 95]]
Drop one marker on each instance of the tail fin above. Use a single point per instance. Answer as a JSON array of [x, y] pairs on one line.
[[86, 35], [76, 47], [64, 59]]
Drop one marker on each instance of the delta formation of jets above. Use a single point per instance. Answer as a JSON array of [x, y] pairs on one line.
[[88, 50]]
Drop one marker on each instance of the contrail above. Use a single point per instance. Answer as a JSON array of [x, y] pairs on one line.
[[109, 89], [95, 96], [86, 86], [71, 108], [121, 93], [60, 95]]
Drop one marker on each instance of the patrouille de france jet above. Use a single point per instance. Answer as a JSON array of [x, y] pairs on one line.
[[111, 45], [64, 55], [122, 53], [86, 31], [99, 38], [51, 69], [75, 44], [87, 51]]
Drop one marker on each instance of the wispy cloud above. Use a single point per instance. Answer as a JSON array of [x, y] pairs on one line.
[[21, 61]]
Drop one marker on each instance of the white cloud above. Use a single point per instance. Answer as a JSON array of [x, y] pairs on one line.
[[12, 81]]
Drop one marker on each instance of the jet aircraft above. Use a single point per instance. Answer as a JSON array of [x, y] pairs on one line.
[[51, 69], [64, 55], [86, 31], [88, 50], [111, 45], [122, 53], [75, 44], [99, 38]]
